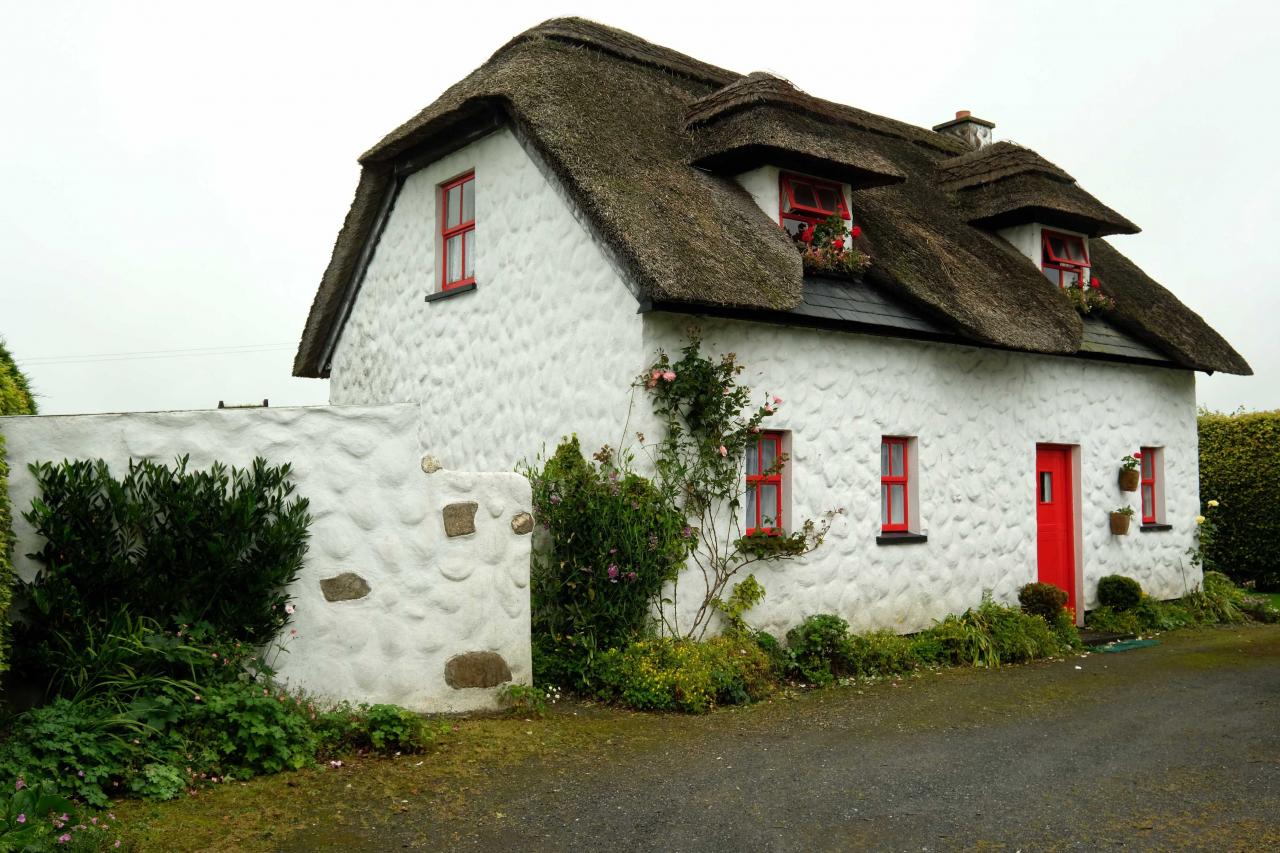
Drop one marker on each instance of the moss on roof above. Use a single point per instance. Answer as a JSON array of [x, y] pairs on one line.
[[611, 115]]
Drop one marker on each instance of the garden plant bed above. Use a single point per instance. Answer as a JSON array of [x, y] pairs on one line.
[[897, 763]]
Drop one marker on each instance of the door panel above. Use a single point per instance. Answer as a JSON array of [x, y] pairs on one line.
[[1055, 520]]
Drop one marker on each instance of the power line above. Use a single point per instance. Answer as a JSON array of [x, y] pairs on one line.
[[148, 355]]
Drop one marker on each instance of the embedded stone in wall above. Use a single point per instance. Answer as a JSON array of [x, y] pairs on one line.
[[521, 523], [347, 586], [430, 465], [460, 518], [476, 669]]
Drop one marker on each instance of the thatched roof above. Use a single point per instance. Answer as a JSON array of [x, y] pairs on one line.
[[622, 123]]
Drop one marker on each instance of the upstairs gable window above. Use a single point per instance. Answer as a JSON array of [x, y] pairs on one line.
[[808, 201], [458, 231], [1064, 259]]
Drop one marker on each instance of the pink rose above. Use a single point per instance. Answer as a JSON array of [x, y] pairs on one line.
[[777, 401], [724, 451], [670, 376]]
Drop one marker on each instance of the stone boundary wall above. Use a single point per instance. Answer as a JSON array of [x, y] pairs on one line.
[[415, 589]]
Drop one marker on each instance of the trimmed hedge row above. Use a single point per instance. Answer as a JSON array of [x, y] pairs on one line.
[[1240, 468]]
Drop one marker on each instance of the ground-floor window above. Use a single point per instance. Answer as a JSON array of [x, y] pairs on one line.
[[1151, 486], [895, 484], [765, 484]]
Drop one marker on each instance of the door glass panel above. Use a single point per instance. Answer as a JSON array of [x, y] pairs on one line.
[[895, 459], [453, 258], [452, 206], [897, 503], [468, 201], [469, 253], [1046, 487]]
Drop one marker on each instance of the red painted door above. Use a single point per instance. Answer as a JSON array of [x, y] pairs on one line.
[[1055, 528]]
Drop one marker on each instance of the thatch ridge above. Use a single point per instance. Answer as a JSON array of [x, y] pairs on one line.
[[994, 162], [607, 113]]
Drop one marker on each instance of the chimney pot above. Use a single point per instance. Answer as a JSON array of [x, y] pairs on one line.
[[963, 113]]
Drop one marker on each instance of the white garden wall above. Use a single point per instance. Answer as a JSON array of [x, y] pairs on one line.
[[545, 345], [428, 597], [978, 415]]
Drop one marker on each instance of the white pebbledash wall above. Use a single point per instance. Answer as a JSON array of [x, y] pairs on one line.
[[550, 341], [429, 597]]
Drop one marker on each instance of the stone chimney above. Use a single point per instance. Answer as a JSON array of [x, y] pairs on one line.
[[975, 132]]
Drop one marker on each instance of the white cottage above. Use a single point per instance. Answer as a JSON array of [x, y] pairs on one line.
[[518, 251]]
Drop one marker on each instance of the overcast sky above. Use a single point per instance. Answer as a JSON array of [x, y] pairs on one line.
[[173, 175]]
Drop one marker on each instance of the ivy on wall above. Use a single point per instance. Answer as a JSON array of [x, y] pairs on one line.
[[1240, 469], [15, 399]]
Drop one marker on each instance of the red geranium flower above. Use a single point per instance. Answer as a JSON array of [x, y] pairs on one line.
[[838, 244], [1137, 454], [855, 232], [1094, 283], [806, 235]]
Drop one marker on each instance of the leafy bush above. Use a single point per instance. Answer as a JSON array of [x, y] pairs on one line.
[[211, 548], [879, 653], [1042, 599], [525, 700], [819, 647], [383, 729], [1119, 592], [614, 542], [251, 730], [1217, 601], [685, 675], [6, 557], [36, 819], [993, 634], [1240, 468], [15, 391]]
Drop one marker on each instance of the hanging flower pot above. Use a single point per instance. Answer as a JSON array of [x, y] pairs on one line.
[[1130, 473], [1120, 519]]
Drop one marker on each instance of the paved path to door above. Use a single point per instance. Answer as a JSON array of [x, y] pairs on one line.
[[1171, 747]]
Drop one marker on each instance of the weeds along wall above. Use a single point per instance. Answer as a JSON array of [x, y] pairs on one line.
[[415, 586]]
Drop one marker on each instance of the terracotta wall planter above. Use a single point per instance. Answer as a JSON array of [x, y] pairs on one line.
[[1129, 479], [1120, 523]]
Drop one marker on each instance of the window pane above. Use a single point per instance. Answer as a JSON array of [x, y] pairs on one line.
[[884, 459], [1058, 246], [453, 258], [753, 458], [751, 507], [769, 505], [803, 194], [827, 199], [1052, 274], [1148, 464], [469, 253], [897, 503], [468, 201], [884, 505], [1148, 501], [896, 460], [768, 454], [452, 206], [1070, 278], [1075, 249], [1046, 487]]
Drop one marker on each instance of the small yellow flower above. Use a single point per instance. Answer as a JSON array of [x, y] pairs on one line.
[[1213, 503], [1199, 519]]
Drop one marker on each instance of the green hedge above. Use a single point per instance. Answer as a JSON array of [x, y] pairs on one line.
[[15, 399], [1240, 468]]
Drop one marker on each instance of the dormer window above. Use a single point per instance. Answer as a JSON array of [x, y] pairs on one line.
[[808, 201], [1064, 259]]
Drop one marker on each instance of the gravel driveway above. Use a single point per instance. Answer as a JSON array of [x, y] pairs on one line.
[[1171, 747]]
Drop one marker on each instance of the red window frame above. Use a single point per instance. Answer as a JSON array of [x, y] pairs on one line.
[[1147, 484], [1056, 268], [761, 478], [448, 232], [790, 210], [890, 480]]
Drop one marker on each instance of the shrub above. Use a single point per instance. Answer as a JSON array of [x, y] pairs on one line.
[[6, 564], [779, 655], [614, 542], [525, 700], [879, 653], [685, 675], [991, 635], [1042, 599], [1217, 601], [250, 730], [1119, 592], [212, 548], [818, 647], [36, 818], [1240, 468]]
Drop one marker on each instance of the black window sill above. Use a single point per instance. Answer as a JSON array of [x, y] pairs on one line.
[[1150, 528], [900, 538], [453, 291]]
